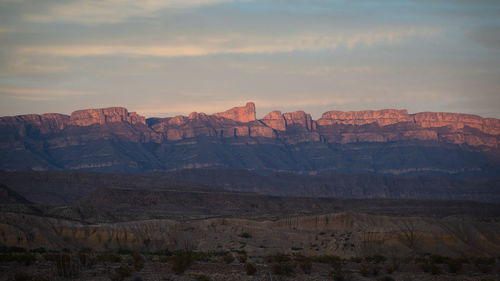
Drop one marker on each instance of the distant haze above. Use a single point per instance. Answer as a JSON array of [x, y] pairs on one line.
[[164, 58]]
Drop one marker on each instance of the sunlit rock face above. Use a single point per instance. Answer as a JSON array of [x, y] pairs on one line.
[[299, 119], [275, 120], [115, 139], [242, 114], [101, 116]]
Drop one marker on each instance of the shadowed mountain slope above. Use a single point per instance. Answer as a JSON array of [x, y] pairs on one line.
[[67, 187]]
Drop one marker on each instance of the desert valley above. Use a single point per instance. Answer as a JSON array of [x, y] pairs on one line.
[[364, 195]]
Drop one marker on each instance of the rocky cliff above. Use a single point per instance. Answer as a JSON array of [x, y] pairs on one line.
[[101, 116], [242, 114], [335, 126], [155, 143]]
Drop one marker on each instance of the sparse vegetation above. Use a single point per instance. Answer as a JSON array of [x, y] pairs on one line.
[[245, 235], [281, 264], [202, 277], [122, 272], [284, 268], [67, 265], [250, 269], [430, 267], [122, 267], [181, 262], [484, 264], [305, 263], [454, 265], [242, 258], [108, 257], [228, 258]]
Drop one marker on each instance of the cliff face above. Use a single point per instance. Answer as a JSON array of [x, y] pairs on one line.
[[395, 125], [242, 114], [101, 116], [34, 136], [380, 117]]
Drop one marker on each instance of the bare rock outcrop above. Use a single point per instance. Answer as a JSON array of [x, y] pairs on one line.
[[299, 119], [275, 120], [457, 121], [235, 122], [101, 116], [381, 117], [241, 114], [21, 125]]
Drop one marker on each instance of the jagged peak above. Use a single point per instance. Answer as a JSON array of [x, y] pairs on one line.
[[242, 114], [276, 114]]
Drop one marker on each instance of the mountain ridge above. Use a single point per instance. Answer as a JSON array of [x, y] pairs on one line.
[[275, 120], [114, 139]]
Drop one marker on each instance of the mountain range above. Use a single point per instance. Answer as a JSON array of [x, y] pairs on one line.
[[389, 142]]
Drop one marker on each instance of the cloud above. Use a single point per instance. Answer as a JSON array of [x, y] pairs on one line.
[[31, 94], [24, 65], [5, 30], [239, 44], [109, 11]]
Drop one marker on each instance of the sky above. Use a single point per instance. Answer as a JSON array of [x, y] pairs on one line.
[[169, 57]]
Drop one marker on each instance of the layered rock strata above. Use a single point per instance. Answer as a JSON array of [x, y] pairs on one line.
[[381, 141], [101, 116], [333, 126]]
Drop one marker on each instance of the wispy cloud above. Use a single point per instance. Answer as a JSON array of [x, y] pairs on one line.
[[5, 30], [109, 11], [239, 44], [31, 94], [22, 65]]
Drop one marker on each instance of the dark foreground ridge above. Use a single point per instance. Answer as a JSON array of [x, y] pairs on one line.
[[390, 142], [100, 226]]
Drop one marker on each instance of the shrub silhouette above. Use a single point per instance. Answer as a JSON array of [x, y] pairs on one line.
[[67, 266], [108, 257], [364, 270], [228, 258], [438, 259], [281, 264], [306, 266], [22, 276], [202, 277], [27, 259], [454, 265], [122, 272], [242, 258], [484, 264], [181, 262], [286, 269], [430, 267], [245, 235], [250, 269]]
